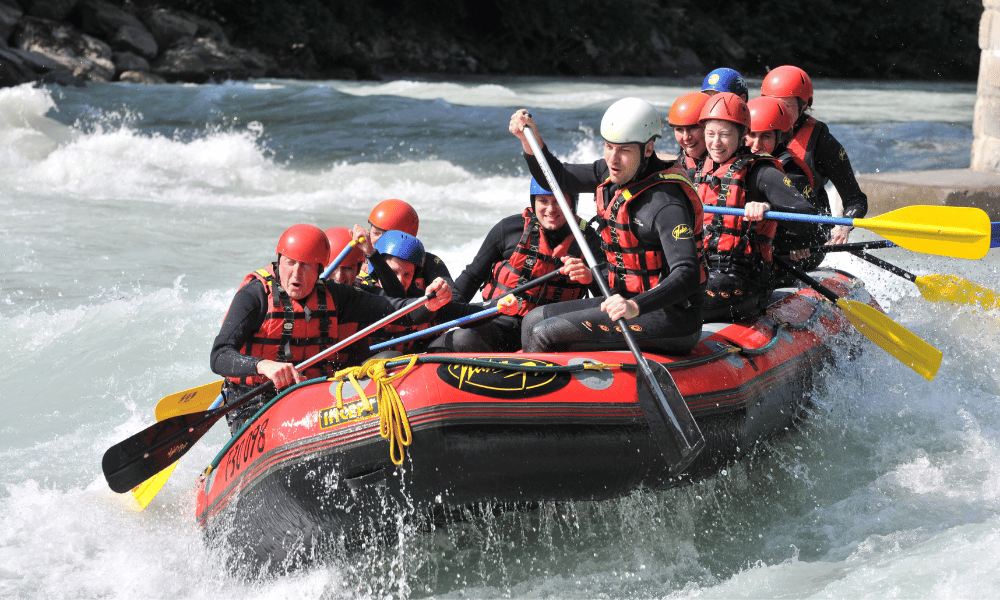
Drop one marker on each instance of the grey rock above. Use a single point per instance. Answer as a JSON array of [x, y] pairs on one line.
[[85, 56], [103, 19], [199, 60], [135, 39], [127, 61], [9, 16], [168, 26], [56, 10], [144, 77], [13, 70]]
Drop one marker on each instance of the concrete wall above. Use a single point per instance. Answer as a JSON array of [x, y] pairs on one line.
[[986, 122]]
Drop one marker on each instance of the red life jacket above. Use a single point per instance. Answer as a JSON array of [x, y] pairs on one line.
[[725, 185], [634, 267], [801, 149], [293, 330], [532, 258], [690, 163]]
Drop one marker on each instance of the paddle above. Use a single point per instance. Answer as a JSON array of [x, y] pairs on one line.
[[959, 231], [935, 288], [188, 401], [340, 257], [879, 328], [466, 319], [673, 427], [140, 457]]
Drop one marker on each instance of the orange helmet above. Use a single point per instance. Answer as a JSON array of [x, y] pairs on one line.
[[788, 81], [726, 106], [767, 113], [686, 110], [395, 214], [305, 243], [339, 238]]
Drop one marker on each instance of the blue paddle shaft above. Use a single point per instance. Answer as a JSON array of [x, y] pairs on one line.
[[336, 262], [431, 330], [782, 216]]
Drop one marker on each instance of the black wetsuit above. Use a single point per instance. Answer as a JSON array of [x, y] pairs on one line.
[[502, 334], [740, 289], [670, 313], [831, 164], [246, 316], [432, 268]]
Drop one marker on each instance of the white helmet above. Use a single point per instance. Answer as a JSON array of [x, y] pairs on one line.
[[631, 120]]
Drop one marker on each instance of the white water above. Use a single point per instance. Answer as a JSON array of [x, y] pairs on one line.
[[131, 213]]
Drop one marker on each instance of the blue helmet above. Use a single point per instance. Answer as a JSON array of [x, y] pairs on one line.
[[537, 189], [725, 80], [401, 245]]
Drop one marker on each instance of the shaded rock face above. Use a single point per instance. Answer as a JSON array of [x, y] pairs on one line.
[[54, 10], [9, 16], [122, 30], [86, 57]]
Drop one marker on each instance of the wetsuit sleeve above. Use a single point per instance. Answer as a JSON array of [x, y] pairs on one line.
[[358, 306], [766, 183], [386, 278], [572, 178], [433, 268], [244, 318], [833, 163], [661, 214]]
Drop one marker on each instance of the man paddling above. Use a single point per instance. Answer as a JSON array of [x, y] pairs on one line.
[[650, 221], [281, 317]]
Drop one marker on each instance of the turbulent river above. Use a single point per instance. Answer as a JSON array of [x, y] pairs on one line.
[[131, 214]]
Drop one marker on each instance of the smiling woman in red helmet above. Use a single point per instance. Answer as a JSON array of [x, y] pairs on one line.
[[282, 315], [812, 151], [739, 249], [650, 224], [396, 215]]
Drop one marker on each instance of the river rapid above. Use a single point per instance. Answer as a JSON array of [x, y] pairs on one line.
[[131, 214]]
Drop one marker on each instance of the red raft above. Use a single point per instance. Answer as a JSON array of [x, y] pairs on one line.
[[308, 473]]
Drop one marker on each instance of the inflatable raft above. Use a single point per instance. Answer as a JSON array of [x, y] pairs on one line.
[[321, 464]]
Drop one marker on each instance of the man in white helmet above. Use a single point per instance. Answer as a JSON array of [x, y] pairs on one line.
[[650, 221]]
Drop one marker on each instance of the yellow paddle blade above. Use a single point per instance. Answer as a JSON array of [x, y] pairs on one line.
[[143, 493], [959, 231], [893, 338], [189, 401], [954, 289]]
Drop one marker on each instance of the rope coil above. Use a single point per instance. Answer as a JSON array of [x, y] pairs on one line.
[[393, 423]]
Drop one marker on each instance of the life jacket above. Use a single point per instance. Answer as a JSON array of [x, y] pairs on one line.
[[730, 236], [801, 151], [294, 331], [633, 266], [689, 163], [532, 258]]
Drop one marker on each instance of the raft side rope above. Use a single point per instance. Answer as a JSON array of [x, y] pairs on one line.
[[393, 423]]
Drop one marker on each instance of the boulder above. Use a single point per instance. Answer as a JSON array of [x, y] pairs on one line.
[[55, 10], [144, 77], [127, 61], [135, 39], [86, 57], [199, 60], [123, 30], [9, 16], [168, 27], [13, 70]]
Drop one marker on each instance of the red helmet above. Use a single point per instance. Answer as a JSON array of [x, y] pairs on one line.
[[687, 109], [305, 243], [726, 106], [395, 214], [788, 81], [767, 113], [339, 238]]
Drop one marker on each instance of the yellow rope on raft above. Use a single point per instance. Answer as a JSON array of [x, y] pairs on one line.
[[393, 424]]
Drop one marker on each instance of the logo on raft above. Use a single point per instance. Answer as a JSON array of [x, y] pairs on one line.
[[355, 411], [504, 383]]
